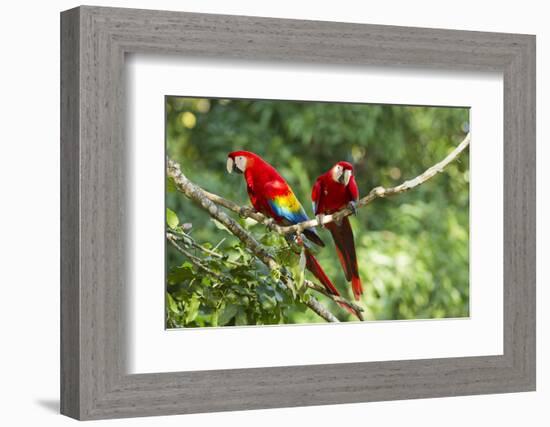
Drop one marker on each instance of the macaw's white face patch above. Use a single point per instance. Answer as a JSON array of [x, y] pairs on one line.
[[337, 172], [341, 175], [238, 164]]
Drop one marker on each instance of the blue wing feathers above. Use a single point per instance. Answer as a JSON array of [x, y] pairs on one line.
[[294, 217]]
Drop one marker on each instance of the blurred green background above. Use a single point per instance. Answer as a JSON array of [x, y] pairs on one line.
[[412, 248]]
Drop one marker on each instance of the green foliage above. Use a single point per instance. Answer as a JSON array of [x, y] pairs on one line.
[[171, 219], [412, 248], [239, 290]]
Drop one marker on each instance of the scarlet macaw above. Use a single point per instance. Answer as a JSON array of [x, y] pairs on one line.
[[270, 194], [333, 191]]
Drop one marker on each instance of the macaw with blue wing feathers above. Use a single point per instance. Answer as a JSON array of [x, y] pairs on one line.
[[271, 195]]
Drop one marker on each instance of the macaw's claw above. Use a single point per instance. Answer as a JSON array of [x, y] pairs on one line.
[[353, 207]]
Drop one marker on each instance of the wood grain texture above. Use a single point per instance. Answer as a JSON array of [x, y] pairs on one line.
[[70, 292], [94, 269]]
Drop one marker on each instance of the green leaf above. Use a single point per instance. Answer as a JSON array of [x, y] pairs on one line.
[[220, 226], [206, 281], [240, 319], [300, 270], [180, 274], [275, 275], [268, 302], [172, 219], [227, 314], [278, 296], [171, 304], [286, 256], [214, 320], [170, 185], [291, 284], [192, 309]]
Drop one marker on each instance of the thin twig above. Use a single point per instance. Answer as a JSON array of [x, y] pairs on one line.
[[195, 260], [337, 299], [187, 239]]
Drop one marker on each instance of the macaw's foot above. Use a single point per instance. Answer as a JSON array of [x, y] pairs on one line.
[[353, 207]]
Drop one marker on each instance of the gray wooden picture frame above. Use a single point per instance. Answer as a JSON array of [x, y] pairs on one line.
[[94, 41]]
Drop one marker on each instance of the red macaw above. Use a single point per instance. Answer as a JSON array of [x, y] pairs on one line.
[[270, 194], [333, 191]]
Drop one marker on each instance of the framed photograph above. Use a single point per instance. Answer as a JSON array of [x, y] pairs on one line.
[[281, 213]]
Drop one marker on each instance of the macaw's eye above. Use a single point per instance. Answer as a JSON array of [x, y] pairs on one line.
[[240, 163]]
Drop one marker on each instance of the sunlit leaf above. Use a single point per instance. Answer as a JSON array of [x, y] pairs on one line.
[[171, 219], [192, 309], [220, 226], [171, 304]]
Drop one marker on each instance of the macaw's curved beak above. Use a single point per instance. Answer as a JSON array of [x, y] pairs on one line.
[[347, 176], [230, 165]]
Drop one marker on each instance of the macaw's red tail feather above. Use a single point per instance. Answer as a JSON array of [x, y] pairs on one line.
[[357, 287], [345, 248], [313, 265]]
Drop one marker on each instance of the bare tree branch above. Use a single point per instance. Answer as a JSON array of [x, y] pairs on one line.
[[196, 194]]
